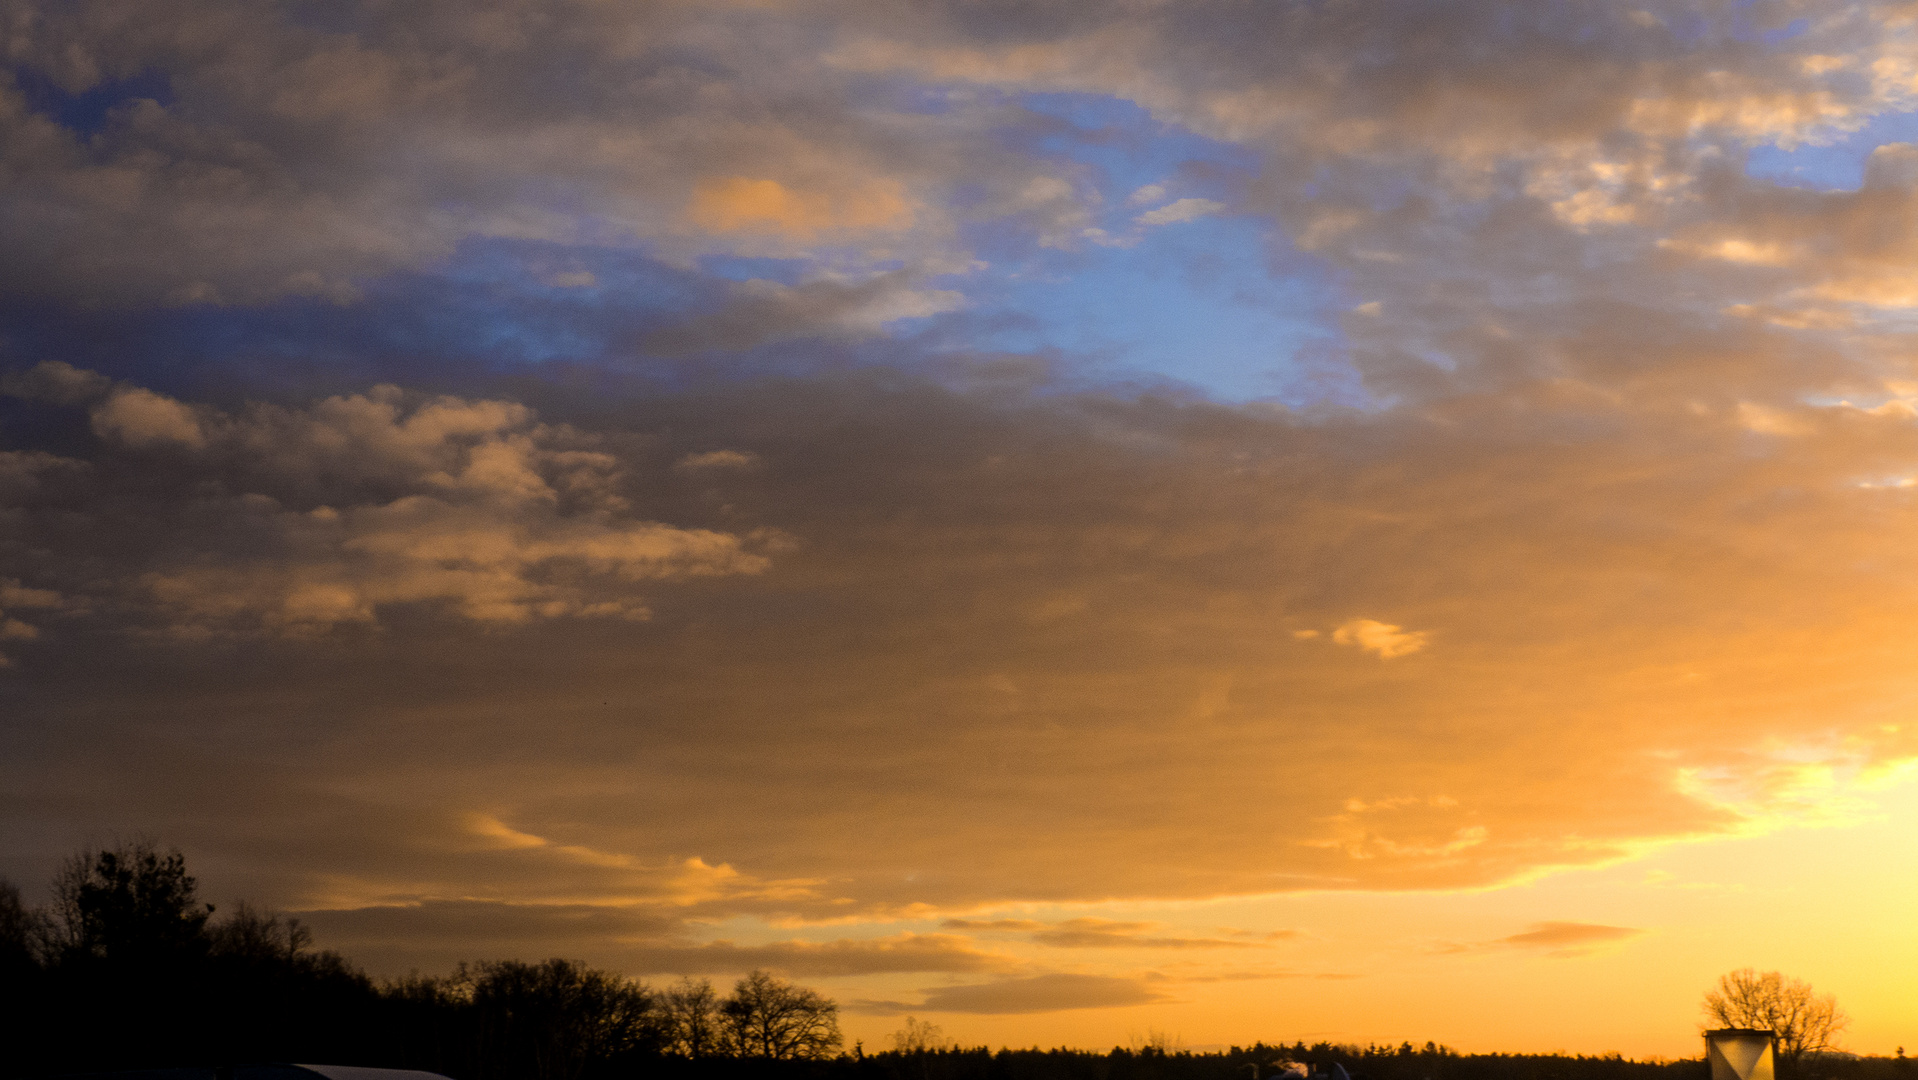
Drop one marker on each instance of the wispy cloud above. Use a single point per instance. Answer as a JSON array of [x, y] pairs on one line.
[[1556, 939], [1028, 994]]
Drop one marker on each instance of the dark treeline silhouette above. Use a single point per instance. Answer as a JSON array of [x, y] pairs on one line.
[[1401, 1062], [127, 969]]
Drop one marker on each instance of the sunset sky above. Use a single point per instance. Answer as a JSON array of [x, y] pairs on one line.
[[1259, 519]]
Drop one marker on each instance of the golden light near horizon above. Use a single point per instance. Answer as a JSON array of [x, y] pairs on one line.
[[1331, 520]]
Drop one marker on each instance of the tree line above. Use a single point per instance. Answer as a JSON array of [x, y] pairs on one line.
[[127, 968]]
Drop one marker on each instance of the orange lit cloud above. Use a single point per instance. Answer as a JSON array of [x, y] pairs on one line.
[[1383, 639], [742, 204]]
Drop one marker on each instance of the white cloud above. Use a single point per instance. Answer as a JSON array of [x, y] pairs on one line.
[[1180, 211]]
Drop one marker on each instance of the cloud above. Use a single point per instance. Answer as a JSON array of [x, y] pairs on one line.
[[1030, 994], [718, 459], [1559, 940], [740, 204], [1564, 937], [1385, 639], [994, 925], [477, 507], [1092, 933], [142, 418], [923, 513], [1095, 933], [260, 159], [58, 382], [758, 312], [15, 600], [902, 953], [639, 938], [1182, 210]]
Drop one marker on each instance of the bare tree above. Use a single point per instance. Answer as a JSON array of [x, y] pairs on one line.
[[692, 1018], [920, 1037], [554, 1020], [1803, 1021], [255, 934], [1155, 1041], [772, 1018]]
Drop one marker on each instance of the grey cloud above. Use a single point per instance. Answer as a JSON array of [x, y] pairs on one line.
[[297, 160], [300, 159], [1398, 80], [57, 382], [482, 510], [1034, 994], [485, 928], [904, 953], [763, 311], [1497, 221], [640, 939]]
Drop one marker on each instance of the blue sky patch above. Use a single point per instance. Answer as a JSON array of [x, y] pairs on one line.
[[1836, 166], [87, 112]]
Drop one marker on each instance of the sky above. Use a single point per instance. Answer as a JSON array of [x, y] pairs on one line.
[[1237, 519]]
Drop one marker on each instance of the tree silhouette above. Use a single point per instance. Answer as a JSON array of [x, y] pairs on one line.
[[17, 930], [554, 1020], [919, 1037], [771, 1018], [130, 905], [692, 1018], [1803, 1021]]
